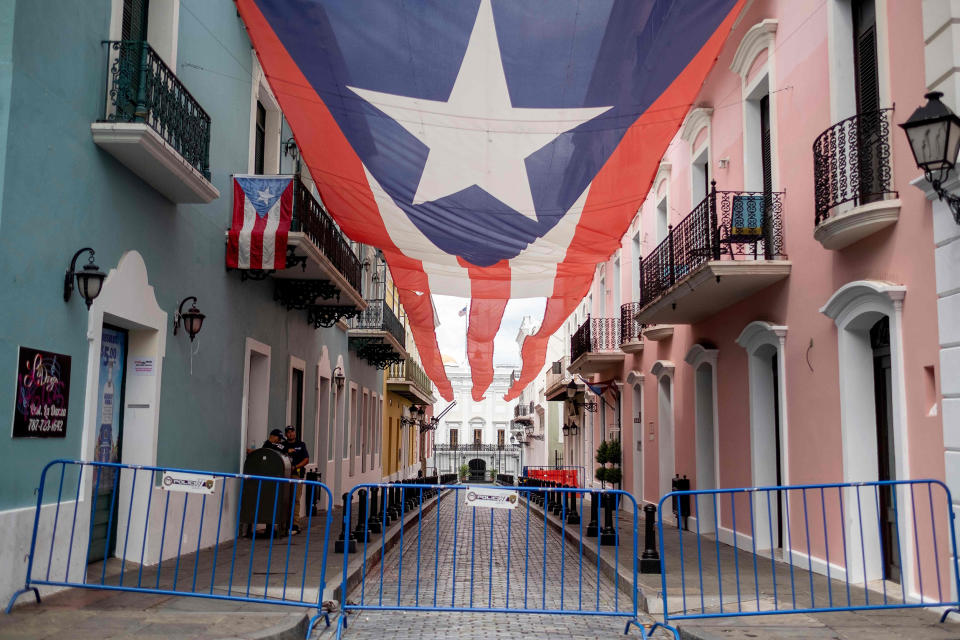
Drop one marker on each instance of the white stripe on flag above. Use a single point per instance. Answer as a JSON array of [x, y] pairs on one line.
[[246, 231], [270, 235]]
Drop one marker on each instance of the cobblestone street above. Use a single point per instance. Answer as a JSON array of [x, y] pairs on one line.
[[451, 560]]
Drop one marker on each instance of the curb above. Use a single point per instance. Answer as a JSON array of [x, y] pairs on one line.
[[295, 629]]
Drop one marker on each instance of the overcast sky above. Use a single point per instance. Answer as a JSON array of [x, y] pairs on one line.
[[451, 334]]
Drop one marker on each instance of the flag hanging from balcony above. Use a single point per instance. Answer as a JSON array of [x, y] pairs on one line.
[[262, 210], [491, 148]]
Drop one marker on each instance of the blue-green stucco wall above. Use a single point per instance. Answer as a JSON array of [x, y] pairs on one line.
[[61, 192]]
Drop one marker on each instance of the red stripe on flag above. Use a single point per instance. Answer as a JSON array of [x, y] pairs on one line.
[[342, 182], [632, 164], [233, 236], [489, 290]]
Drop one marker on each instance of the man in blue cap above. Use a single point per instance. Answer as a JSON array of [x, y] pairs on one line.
[[299, 458]]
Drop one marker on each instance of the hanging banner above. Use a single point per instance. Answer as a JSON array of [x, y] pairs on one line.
[[43, 392], [490, 498], [494, 147]]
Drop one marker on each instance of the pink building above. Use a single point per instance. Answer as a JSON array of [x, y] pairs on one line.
[[782, 329]]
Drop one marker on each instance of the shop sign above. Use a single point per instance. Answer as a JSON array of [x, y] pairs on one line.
[[43, 392]]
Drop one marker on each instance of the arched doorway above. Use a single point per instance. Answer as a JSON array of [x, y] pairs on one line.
[[478, 470], [704, 363], [764, 344], [868, 316]]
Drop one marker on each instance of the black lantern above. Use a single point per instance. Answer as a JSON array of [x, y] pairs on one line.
[[934, 135], [566, 430], [571, 390], [89, 279], [339, 378], [192, 318], [572, 394], [573, 428]]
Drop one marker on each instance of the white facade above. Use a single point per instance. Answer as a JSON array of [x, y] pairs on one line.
[[941, 63], [469, 423]]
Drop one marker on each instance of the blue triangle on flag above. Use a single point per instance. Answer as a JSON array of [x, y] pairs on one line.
[[263, 193]]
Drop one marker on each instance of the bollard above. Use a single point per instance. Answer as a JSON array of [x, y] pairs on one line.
[[394, 506], [557, 499], [608, 536], [350, 543], [592, 526], [360, 531], [650, 560], [573, 517], [375, 524], [385, 517]]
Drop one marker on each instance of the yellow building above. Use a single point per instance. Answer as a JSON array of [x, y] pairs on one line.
[[407, 390]]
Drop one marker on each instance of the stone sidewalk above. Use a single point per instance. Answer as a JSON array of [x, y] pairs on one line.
[[775, 583]]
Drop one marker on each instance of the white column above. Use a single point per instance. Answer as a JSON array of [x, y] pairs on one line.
[[941, 32]]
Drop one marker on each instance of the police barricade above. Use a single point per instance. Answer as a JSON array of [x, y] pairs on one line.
[[809, 549], [570, 476], [493, 550], [101, 525]]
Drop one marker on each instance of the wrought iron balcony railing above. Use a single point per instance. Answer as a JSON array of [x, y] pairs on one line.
[[310, 218], [595, 334], [726, 225], [142, 88], [630, 329], [475, 447], [380, 317], [411, 372], [523, 409], [851, 163]]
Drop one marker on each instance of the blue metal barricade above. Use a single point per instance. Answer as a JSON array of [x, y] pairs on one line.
[[841, 547], [101, 525], [492, 550]]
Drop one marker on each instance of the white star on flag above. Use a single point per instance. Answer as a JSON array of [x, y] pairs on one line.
[[264, 195], [477, 137]]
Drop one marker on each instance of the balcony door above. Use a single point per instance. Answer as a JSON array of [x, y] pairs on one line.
[[886, 460]]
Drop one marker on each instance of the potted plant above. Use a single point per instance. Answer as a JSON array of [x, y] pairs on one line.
[[602, 457], [464, 471]]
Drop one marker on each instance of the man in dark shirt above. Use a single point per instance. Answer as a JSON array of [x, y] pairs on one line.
[[299, 458]]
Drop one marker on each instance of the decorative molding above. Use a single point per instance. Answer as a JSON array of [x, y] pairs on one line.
[[839, 231], [698, 354], [846, 297], [697, 119], [635, 378], [759, 37], [662, 368], [761, 332], [663, 173]]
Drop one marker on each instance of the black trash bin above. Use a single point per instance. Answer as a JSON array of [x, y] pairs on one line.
[[270, 463]]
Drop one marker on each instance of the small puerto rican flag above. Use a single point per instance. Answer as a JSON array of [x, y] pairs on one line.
[[262, 210]]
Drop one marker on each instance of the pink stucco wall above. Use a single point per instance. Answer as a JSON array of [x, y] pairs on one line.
[[800, 68]]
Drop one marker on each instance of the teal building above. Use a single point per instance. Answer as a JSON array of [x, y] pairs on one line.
[[122, 134]]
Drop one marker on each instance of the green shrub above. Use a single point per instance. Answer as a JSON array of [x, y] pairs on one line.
[[601, 474], [613, 475]]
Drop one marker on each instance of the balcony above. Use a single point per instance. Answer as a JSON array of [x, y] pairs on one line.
[[523, 414], [557, 380], [408, 380], [595, 347], [153, 126], [631, 331], [727, 249], [327, 284], [377, 335], [852, 180]]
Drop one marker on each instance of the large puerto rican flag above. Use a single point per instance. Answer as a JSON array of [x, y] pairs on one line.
[[491, 148], [262, 212]]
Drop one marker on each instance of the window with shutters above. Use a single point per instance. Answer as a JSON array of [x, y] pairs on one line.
[[454, 437], [478, 436], [152, 21], [134, 20], [758, 158], [867, 91]]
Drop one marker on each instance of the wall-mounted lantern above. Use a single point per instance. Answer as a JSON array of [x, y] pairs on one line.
[[934, 135], [192, 319], [89, 279]]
